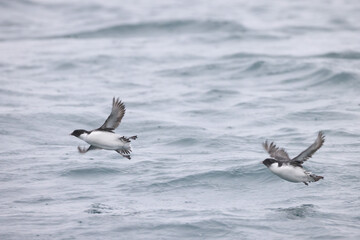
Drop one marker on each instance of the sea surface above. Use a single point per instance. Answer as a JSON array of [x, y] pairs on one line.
[[205, 83]]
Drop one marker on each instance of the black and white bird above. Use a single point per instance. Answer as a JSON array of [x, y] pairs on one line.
[[291, 169], [104, 136]]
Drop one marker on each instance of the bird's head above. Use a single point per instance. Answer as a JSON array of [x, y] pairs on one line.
[[79, 132], [267, 162]]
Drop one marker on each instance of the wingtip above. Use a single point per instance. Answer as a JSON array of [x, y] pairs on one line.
[[321, 136], [118, 102], [265, 144]]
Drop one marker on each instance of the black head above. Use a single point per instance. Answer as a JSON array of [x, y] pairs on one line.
[[78, 132], [267, 162]]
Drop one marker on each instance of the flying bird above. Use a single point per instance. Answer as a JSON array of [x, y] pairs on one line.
[[291, 169], [104, 137]]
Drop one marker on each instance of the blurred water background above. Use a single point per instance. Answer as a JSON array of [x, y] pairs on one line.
[[204, 83]]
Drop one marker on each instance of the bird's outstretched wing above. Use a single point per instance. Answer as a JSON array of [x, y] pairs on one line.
[[114, 119], [278, 153], [305, 155]]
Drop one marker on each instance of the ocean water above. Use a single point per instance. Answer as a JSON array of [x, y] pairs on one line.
[[204, 83]]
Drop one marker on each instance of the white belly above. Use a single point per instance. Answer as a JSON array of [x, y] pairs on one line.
[[105, 140], [290, 173]]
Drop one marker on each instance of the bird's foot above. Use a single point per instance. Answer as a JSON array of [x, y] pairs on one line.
[[82, 149], [306, 183], [133, 137]]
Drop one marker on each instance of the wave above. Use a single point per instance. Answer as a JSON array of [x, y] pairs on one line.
[[40, 200], [320, 115], [255, 66], [210, 179], [90, 171], [98, 208], [347, 79], [217, 92], [350, 55], [264, 67], [325, 77], [210, 228], [158, 28], [302, 211], [205, 228], [301, 73], [195, 70], [304, 29], [309, 76], [184, 142], [247, 55]]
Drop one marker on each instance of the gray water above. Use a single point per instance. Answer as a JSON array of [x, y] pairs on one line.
[[204, 83]]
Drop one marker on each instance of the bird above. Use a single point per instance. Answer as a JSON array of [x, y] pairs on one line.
[[291, 169], [104, 137]]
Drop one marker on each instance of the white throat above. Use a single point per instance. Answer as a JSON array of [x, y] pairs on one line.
[[83, 136]]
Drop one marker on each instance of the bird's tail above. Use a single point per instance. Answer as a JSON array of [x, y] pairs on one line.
[[126, 148]]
